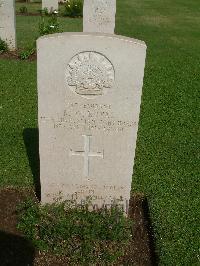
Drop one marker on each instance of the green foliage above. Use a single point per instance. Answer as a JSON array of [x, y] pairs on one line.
[[73, 8], [3, 46], [23, 10], [83, 236], [49, 25], [44, 11], [27, 53]]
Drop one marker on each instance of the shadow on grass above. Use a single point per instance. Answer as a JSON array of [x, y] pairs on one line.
[[154, 258], [142, 231], [31, 140], [15, 250]]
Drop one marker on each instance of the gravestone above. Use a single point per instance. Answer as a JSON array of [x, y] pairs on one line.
[[89, 104], [99, 16], [7, 23], [51, 5]]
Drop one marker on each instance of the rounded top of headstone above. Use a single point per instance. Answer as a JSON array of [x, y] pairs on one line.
[[58, 36]]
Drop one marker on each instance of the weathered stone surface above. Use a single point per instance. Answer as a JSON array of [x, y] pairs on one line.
[[7, 23], [99, 16], [89, 105], [51, 5]]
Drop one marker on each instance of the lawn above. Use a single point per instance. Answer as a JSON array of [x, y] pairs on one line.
[[34, 8], [31, 7], [27, 28], [166, 165]]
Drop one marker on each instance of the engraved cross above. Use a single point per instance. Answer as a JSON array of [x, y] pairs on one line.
[[86, 153]]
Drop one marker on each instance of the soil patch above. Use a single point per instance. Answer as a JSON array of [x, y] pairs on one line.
[[15, 56], [38, 14], [28, 14], [15, 250]]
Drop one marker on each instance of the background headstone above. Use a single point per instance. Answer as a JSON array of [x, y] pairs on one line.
[[89, 105], [99, 16], [51, 5], [7, 23]]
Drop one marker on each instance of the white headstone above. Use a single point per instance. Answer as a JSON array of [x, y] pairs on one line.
[[51, 5], [89, 105], [99, 16], [7, 23]]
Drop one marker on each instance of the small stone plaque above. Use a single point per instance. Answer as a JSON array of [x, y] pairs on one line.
[[7, 23], [89, 105], [99, 16]]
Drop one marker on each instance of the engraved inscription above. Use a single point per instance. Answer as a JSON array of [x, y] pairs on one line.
[[101, 15], [81, 193], [90, 117], [90, 74], [87, 154]]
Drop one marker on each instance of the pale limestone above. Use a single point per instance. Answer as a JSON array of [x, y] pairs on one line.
[[99, 16], [7, 23], [89, 104], [51, 5]]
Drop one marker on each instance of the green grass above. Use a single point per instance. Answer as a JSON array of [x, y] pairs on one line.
[[35, 8], [28, 28], [31, 7], [166, 165], [19, 111]]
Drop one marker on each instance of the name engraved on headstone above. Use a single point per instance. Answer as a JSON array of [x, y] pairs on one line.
[[89, 117]]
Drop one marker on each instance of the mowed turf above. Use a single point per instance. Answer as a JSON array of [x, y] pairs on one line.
[[34, 8], [167, 156], [27, 28]]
